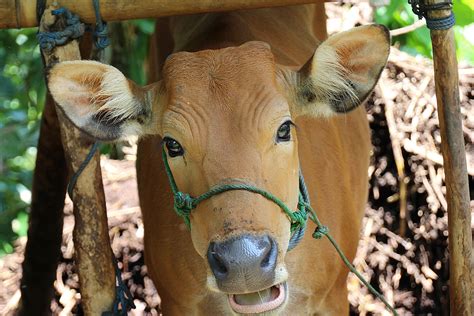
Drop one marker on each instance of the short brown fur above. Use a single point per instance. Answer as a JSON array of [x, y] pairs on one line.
[[231, 82], [334, 156]]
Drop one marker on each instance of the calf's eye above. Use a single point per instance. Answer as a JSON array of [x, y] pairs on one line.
[[174, 148], [284, 132]]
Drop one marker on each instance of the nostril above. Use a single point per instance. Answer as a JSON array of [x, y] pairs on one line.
[[216, 263], [219, 264], [266, 261], [269, 259]]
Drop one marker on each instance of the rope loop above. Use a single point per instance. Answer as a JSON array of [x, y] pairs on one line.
[[100, 33], [421, 9]]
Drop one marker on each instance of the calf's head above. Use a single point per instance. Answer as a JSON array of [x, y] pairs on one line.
[[225, 117]]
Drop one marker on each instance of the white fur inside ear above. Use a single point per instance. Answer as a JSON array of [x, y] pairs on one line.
[[99, 99], [120, 103], [329, 78], [86, 88]]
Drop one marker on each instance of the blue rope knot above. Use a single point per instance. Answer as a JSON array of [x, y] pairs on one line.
[[422, 9], [101, 36], [320, 231], [73, 30], [100, 32]]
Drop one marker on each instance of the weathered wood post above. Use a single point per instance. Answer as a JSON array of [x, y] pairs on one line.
[[454, 156], [91, 237]]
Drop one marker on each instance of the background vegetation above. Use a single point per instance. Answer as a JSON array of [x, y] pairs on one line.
[[22, 93], [398, 14]]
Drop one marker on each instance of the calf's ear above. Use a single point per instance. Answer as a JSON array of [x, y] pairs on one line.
[[342, 72], [100, 101]]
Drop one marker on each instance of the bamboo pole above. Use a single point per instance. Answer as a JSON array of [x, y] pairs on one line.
[[91, 238], [454, 157], [22, 13]]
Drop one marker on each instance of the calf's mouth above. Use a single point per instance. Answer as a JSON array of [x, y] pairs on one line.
[[262, 301]]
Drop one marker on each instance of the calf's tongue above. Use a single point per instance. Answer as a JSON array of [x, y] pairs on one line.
[[256, 298]]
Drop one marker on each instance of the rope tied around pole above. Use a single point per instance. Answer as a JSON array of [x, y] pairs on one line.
[[73, 30], [421, 9]]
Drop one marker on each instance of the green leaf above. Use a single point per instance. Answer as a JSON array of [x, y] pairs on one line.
[[464, 12], [20, 224], [464, 46]]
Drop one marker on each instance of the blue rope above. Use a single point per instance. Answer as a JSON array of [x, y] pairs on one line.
[[73, 30], [421, 9], [75, 176], [442, 23], [123, 300], [100, 32]]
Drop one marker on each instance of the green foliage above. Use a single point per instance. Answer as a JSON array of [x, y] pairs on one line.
[[22, 92], [138, 50], [398, 14]]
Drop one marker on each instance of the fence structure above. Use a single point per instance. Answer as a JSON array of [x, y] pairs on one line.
[[91, 233]]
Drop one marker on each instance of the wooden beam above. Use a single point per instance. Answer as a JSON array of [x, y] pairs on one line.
[[91, 235], [454, 157], [22, 13]]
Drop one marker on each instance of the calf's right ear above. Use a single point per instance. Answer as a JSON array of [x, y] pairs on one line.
[[343, 71], [100, 101]]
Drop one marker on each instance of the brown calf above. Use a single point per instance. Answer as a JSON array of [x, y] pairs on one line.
[[225, 110]]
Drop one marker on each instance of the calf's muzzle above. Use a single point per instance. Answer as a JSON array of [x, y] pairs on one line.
[[244, 263]]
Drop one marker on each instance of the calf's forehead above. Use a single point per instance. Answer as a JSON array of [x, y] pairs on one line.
[[223, 71]]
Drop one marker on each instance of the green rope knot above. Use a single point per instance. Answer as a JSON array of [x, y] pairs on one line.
[[298, 218], [183, 205], [320, 231]]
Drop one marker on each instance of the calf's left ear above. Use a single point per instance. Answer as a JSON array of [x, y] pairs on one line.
[[342, 72], [100, 101]]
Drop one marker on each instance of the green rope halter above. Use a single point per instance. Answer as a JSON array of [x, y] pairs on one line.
[[184, 204]]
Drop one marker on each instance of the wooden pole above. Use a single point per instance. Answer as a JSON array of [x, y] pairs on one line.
[[22, 13], [91, 237], [454, 156]]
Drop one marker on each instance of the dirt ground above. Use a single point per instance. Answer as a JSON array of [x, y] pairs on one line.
[[405, 256]]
